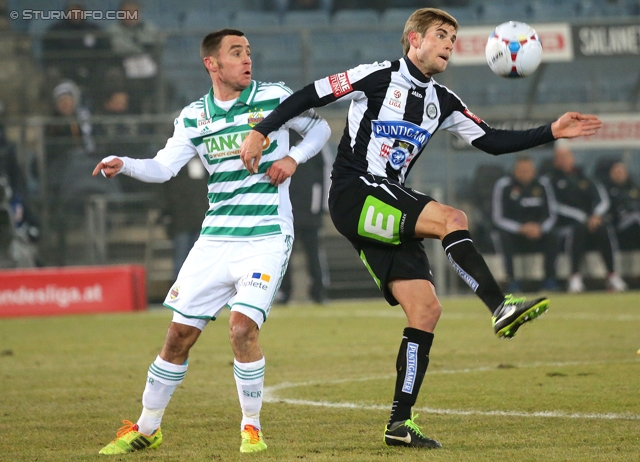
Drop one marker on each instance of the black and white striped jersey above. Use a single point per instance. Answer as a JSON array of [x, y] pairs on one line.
[[394, 112]]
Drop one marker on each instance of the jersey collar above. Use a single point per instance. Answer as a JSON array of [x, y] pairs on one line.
[[410, 70], [246, 97]]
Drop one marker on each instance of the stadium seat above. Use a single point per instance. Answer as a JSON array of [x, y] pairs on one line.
[[553, 11], [497, 13], [195, 20], [349, 18], [464, 15], [255, 20], [314, 18], [395, 17]]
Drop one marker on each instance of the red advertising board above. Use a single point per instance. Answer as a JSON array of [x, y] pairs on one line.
[[72, 290]]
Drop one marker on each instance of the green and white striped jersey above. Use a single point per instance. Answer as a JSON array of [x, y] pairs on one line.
[[241, 205]]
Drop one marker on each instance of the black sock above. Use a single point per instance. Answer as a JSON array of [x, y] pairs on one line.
[[411, 365], [472, 268]]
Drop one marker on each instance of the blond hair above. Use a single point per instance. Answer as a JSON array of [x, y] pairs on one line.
[[421, 20]]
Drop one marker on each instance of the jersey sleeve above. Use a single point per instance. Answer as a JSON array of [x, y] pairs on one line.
[[179, 148], [315, 132], [349, 85], [459, 120]]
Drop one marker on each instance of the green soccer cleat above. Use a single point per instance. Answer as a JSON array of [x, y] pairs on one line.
[[514, 312], [252, 440], [408, 434], [129, 439]]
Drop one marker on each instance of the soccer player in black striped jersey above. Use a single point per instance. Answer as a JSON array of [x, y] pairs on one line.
[[396, 106]]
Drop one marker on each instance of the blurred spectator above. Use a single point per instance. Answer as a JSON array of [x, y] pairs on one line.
[[625, 206], [524, 213], [71, 135], [185, 223], [136, 44], [70, 149], [76, 49], [582, 206], [308, 197], [19, 225]]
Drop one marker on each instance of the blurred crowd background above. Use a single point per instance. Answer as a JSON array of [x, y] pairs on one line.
[[75, 90]]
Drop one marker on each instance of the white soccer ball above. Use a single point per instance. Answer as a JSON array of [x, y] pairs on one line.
[[513, 50]]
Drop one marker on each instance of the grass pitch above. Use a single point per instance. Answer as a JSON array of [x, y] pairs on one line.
[[566, 388]]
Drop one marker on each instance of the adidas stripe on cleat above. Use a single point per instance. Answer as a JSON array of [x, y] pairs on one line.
[[129, 439], [252, 439], [514, 312], [408, 434]]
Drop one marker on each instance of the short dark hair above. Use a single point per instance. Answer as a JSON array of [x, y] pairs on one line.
[[211, 43]]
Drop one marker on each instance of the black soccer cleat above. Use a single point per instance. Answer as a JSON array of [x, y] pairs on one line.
[[514, 312], [408, 434]]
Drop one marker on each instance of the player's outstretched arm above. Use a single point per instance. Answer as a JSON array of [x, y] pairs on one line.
[[109, 166], [251, 151], [574, 124]]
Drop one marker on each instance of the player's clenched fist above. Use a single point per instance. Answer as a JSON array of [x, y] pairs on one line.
[[109, 166], [251, 151]]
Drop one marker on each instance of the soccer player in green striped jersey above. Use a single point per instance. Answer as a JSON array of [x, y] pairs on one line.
[[247, 232]]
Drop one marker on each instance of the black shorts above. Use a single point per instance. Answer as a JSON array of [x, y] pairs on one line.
[[379, 218]]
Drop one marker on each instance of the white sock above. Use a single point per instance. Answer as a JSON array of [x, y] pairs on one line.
[[250, 383], [162, 380]]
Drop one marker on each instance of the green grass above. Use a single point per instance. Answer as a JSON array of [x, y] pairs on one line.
[[67, 382]]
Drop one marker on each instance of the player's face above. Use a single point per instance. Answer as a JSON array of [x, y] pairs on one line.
[[524, 172], [618, 173], [234, 63], [431, 52], [564, 159]]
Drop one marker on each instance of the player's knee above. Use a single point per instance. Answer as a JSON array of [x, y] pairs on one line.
[[456, 220], [179, 340], [242, 330], [434, 309]]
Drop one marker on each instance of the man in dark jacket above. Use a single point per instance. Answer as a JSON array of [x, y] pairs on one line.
[[625, 206], [582, 206], [523, 210], [308, 199]]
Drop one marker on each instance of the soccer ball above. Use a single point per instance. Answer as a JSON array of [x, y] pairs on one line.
[[513, 50]]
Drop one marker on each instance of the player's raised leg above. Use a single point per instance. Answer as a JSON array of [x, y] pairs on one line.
[[451, 227], [420, 304], [165, 374]]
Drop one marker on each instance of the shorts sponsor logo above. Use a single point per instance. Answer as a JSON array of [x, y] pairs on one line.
[[263, 276], [380, 221], [340, 84], [412, 368], [257, 280], [472, 116], [175, 291], [402, 131]]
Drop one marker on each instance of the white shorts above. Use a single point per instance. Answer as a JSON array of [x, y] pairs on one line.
[[243, 276]]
